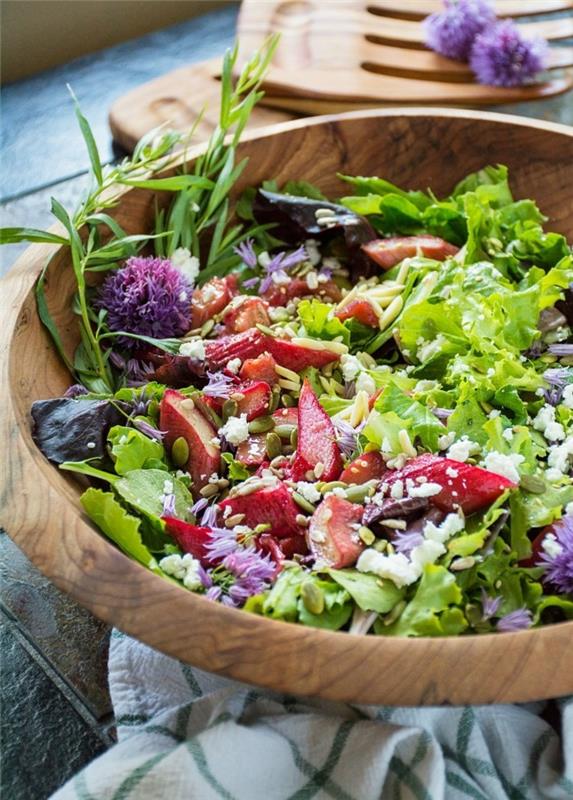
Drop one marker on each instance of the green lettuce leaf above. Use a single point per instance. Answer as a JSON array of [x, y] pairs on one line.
[[318, 322], [369, 592], [131, 449], [422, 422]]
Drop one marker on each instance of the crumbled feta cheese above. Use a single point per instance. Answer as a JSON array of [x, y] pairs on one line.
[[508, 435], [427, 350], [452, 473], [234, 365], [194, 349], [545, 416], [350, 366], [235, 430], [426, 553], [365, 383], [184, 568], [558, 456], [395, 567], [569, 508], [167, 487], [264, 259], [425, 386], [490, 373], [425, 490], [494, 413], [504, 465], [463, 449], [567, 399], [540, 392], [308, 491], [280, 278], [397, 490], [172, 565], [185, 263], [553, 474], [551, 546], [554, 432], [312, 280], [452, 524]]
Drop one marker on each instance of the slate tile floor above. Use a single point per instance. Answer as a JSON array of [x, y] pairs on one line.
[[55, 709]]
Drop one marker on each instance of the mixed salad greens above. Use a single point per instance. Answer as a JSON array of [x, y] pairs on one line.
[[355, 415]]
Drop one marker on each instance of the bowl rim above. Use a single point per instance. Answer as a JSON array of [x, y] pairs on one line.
[[222, 648]]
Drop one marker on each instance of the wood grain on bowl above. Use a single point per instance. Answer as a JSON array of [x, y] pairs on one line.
[[39, 505]]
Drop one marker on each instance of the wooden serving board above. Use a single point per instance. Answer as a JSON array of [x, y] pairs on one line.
[[176, 100]]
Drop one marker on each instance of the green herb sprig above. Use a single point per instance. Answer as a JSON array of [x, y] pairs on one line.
[[200, 211]]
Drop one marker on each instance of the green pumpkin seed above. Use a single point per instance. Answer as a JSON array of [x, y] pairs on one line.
[[294, 438], [275, 400], [261, 425], [264, 329], [273, 445], [532, 484], [328, 487], [359, 492], [180, 452], [284, 430], [230, 408], [366, 535], [288, 401], [303, 503], [207, 328], [312, 597]]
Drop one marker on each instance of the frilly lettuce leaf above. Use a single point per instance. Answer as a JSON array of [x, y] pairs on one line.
[[535, 511], [423, 423], [284, 601], [433, 610], [369, 592], [120, 526], [131, 449], [319, 323]]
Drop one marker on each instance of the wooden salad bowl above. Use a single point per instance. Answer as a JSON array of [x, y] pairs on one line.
[[39, 506]]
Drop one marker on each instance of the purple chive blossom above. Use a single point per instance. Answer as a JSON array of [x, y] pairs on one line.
[[252, 571], [558, 380], [246, 252], [561, 349], [76, 390], [222, 544], [405, 541], [219, 385], [276, 271], [442, 413], [515, 621], [138, 373], [147, 296], [168, 500], [346, 437], [213, 593], [325, 273], [204, 577], [452, 31], [490, 605], [197, 507], [502, 56], [209, 518], [117, 360], [147, 429], [557, 557]]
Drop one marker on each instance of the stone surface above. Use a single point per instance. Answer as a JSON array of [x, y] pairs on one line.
[[73, 641], [42, 143], [43, 740]]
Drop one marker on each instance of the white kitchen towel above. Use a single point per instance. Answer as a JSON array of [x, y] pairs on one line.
[[188, 735]]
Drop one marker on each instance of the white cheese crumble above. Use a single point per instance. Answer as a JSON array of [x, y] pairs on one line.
[[184, 568], [567, 399], [397, 490], [504, 465], [234, 365], [424, 490], [569, 508], [463, 449], [427, 350], [426, 553], [508, 435], [194, 349], [235, 430], [452, 524], [312, 251], [559, 455], [308, 491], [452, 473], [185, 263], [365, 383], [394, 567], [446, 440], [350, 367], [551, 546]]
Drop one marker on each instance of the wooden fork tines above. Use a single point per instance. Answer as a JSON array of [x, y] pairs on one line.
[[418, 9]]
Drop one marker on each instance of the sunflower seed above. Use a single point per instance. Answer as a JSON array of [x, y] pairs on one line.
[[209, 491], [235, 519], [395, 613]]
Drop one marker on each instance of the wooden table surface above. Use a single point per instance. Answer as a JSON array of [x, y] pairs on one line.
[[54, 653]]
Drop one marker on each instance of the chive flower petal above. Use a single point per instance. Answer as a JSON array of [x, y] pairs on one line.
[[502, 56], [451, 32]]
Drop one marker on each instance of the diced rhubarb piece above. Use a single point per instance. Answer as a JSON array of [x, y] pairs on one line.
[[360, 310], [316, 447], [389, 252], [245, 312], [178, 416], [286, 416], [298, 287], [367, 467], [253, 343], [272, 504], [211, 299], [190, 538], [252, 452], [261, 368], [298, 357], [463, 485], [333, 533], [282, 549], [253, 399]]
